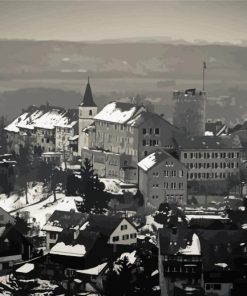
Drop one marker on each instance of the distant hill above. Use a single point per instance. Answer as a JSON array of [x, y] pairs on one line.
[[33, 72]]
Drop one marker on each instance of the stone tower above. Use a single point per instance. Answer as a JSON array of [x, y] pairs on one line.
[[189, 112], [87, 110]]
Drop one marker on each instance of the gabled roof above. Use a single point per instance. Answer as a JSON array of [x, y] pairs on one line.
[[61, 220], [88, 97], [103, 224], [154, 159], [46, 117], [119, 112], [80, 246], [184, 242]]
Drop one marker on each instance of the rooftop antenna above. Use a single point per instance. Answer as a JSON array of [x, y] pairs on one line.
[[203, 75]]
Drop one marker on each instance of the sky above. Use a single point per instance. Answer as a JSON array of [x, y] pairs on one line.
[[212, 21]]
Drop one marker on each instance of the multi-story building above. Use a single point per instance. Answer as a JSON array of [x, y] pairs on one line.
[[37, 126], [180, 262], [211, 159], [66, 129], [189, 113], [163, 178], [121, 135]]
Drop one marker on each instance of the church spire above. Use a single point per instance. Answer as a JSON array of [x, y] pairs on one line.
[[88, 97]]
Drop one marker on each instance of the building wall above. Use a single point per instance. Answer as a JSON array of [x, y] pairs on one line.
[[218, 289], [62, 137], [86, 115], [166, 182], [211, 164], [189, 112], [127, 232], [50, 240], [5, 218], [45, 139], [153, 134]]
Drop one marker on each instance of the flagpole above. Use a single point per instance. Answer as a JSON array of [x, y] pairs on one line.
[[203, 75]]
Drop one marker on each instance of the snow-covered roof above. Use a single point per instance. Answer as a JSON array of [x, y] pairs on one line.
[[209, 217], [155, 158], [94, 270], [194, 248], [46, 117], [118, 112], [26, 268], [68, 250]]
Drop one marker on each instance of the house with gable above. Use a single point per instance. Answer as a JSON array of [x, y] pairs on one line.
[[59, 221], [117, 230], [162, 178]]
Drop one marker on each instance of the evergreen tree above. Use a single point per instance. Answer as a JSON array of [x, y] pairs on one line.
[[21, 225], [24, 166], [95, 199]]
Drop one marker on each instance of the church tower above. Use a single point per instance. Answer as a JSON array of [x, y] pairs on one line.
[[87, 110]]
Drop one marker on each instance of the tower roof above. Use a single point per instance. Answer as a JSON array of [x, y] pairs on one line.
[[88, 97]]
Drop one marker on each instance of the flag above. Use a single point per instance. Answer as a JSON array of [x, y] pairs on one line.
[[204, 65]]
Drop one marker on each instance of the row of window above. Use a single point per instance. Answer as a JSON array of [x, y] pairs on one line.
[[64, 129], [150, 142], [174, 173], [124, 237], [120, 127], [171, 185], [208, 155], [171, 198], [213, 165], [150, 131], [180, 269], [209, 175]]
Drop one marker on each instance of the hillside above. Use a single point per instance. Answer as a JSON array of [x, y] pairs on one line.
[[33, 72]]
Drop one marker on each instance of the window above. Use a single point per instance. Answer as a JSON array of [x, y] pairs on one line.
[[126, 236], [150, 131], [133, 235], [90, 112], [166, 173], [124, 227], [145, 153], [144, 131], [157, 131], [115, 238], [185, 155], [53, 235], [144, 143]]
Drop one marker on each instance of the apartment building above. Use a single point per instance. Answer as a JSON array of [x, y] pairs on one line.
[[163, 178]]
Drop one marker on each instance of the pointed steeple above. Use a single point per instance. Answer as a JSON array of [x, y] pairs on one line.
[[88, 97]]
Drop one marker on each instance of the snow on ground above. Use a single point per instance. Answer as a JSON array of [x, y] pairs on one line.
[[43, 210], [117, 187], [14, 202]]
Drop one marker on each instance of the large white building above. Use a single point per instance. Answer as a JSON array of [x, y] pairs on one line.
[[44, 128]]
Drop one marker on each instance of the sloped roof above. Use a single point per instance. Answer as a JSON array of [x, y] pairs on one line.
[[204, 142], [103, 224], [145, 115], [184, 242], [154, 159], [88, 100], [118, 112], [46, 117], [61, 220], [67, 245]]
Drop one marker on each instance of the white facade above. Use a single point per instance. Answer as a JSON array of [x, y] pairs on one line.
[[86, 115], [124, 234]]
